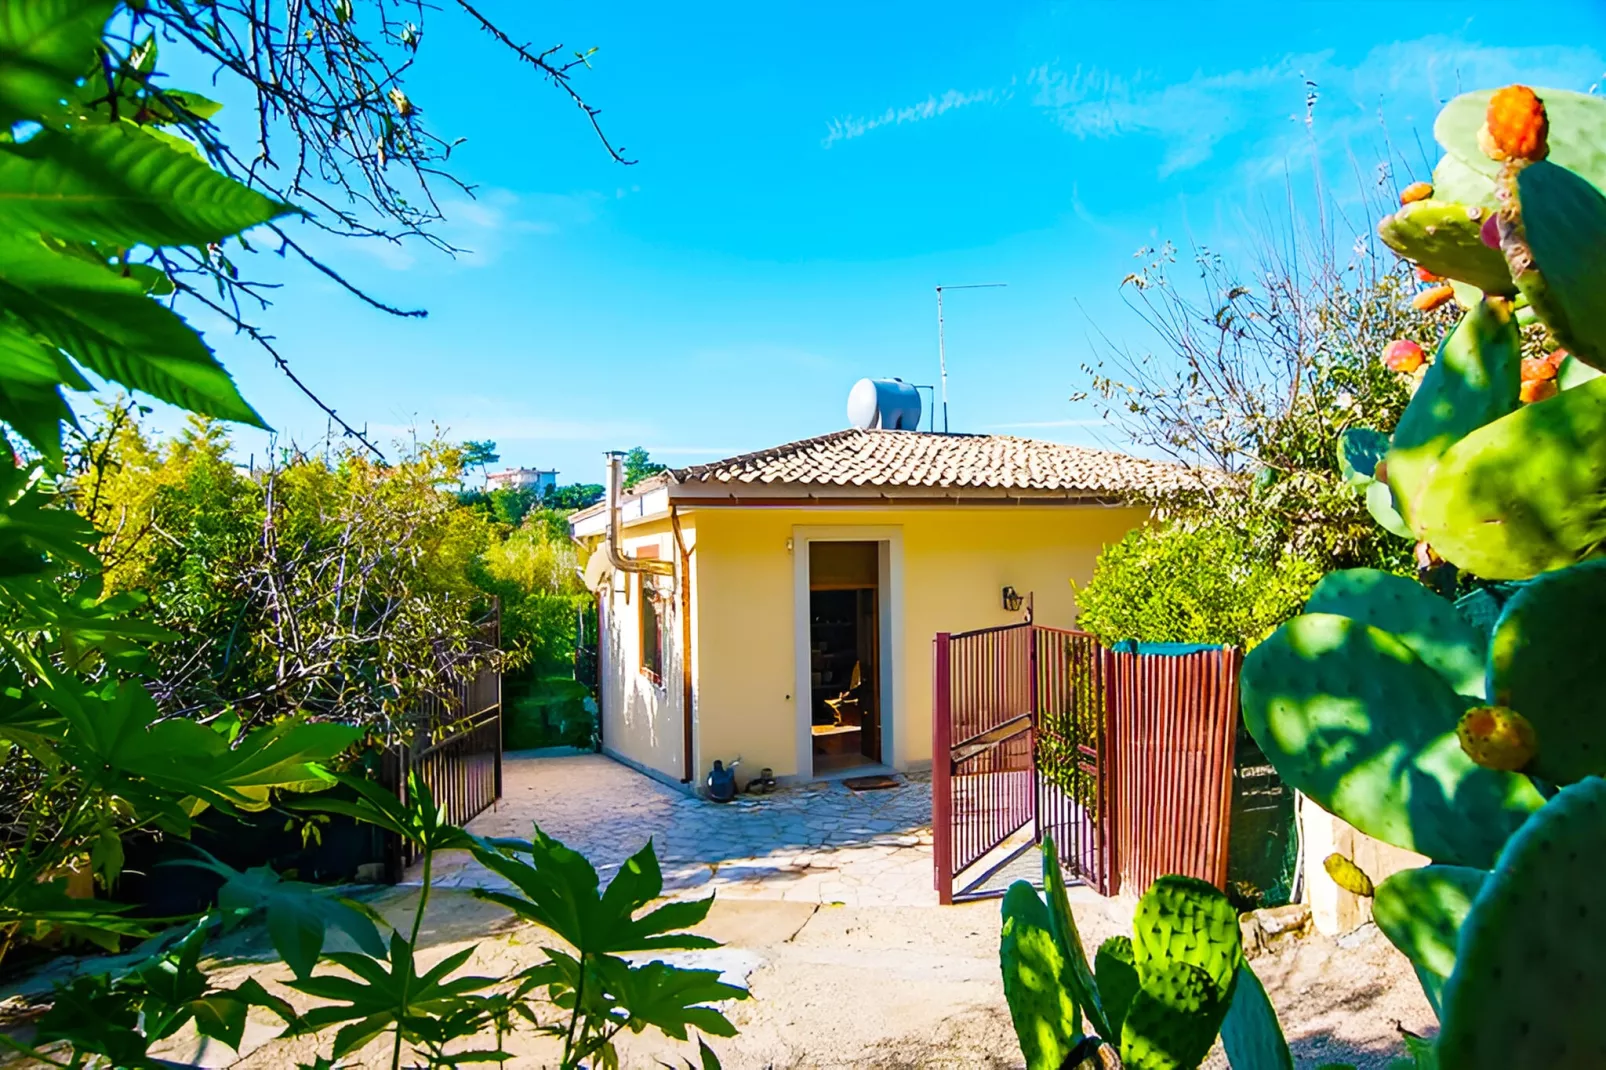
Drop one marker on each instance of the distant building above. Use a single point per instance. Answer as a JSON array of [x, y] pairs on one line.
[[536, 479]]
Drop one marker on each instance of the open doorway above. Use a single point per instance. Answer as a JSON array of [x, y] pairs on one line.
[[844, 654]]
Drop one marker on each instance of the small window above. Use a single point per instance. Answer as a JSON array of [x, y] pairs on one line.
[[652, 634]]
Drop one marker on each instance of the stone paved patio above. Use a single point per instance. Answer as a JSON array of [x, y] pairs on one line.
[[816, 844]]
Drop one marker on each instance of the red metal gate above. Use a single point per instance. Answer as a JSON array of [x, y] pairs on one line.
[[1001, 696], [1125, 758]]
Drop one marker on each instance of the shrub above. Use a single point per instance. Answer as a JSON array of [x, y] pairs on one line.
[[1202, 583]]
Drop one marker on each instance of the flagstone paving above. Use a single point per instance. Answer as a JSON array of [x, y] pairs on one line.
[[821, 843]]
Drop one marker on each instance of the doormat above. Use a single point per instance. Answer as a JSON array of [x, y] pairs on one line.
[[871, 783]]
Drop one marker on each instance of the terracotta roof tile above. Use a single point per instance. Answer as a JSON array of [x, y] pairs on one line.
[[922, 459]]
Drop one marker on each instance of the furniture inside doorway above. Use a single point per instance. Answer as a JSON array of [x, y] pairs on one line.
[[844, 613]]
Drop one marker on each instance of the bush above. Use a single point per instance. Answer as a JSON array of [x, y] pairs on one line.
[[1201, 583]]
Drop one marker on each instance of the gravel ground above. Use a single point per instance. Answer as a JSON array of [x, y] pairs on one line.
[[893, 987]]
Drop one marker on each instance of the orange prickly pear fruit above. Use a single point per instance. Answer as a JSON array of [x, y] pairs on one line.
[[1497, 737], [1403, 355], [1555, 357], [1517, 124], [1537, 368], [1416, 191], [1432, 298], [1537, 390], [1425, 275], [1381, 472]]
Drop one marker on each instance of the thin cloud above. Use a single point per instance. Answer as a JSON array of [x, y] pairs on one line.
[[1267, 112], [848, 127]]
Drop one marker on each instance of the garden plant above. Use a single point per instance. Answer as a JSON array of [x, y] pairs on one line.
[[1472, 732], [114, 197]]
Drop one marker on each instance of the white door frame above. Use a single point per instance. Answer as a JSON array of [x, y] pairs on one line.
[[889, 580]]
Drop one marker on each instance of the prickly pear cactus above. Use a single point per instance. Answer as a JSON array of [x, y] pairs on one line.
[[1421, 911], [1045, 1015], [1559, 238], [1577, 137], [1353, 718], [1078, 976], [1251, 1033], [1544, 662], [1347, 875], [1184, 919], [1445, 239], [1474, 380], [1173, 1020], [1429, 625], [1117, 981], [1522, 495], [1530, 979]]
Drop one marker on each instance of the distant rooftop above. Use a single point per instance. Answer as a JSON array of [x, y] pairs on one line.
[[924, 464]]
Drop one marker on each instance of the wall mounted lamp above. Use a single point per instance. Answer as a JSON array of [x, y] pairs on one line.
[[1012, 600]]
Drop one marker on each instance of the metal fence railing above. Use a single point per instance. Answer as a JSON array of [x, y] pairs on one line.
[[1124, 756]]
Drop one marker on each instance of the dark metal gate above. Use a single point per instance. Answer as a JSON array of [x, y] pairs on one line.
[[457, 754], [1123, 756]]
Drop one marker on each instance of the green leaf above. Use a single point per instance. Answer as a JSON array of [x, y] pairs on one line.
[[31, 377], [118, 185], [44, 45], [298, 914], [107, 324]]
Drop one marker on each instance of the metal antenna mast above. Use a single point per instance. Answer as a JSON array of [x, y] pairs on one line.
[[942, 353]]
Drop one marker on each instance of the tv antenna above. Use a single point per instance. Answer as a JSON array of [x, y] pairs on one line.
[[942, 354]]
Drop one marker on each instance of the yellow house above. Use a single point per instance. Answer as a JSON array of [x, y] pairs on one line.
[[779, 607]]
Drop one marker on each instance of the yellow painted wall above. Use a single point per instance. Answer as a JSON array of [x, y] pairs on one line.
[[955, 563], [641, 720]]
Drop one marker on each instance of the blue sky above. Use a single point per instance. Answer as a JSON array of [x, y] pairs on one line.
[[809, 172]]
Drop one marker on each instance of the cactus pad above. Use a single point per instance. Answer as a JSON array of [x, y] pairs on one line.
[[1250, 1033], [1184, 919], [1077, 976], [1544, 662], [1045, 1016], [1564, 221], [1118, 982], [1454, 181], [1577, 137], [1380, 504], [1173, 1020], [1348, 876], [1421, 911], [1530, 979], [1444, 238], [1414, 615], [1574, 372], [1351, 717], [1522, 495], [1473, 381], [1359, 450]]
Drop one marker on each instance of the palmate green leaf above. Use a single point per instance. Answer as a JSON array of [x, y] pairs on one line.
[[117, 184], [559, 891], [298, 914], [31, 377], [107, 324], [44, 46], [668, 998]]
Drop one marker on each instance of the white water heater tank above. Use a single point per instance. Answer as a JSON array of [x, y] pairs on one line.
[[888, 404]]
